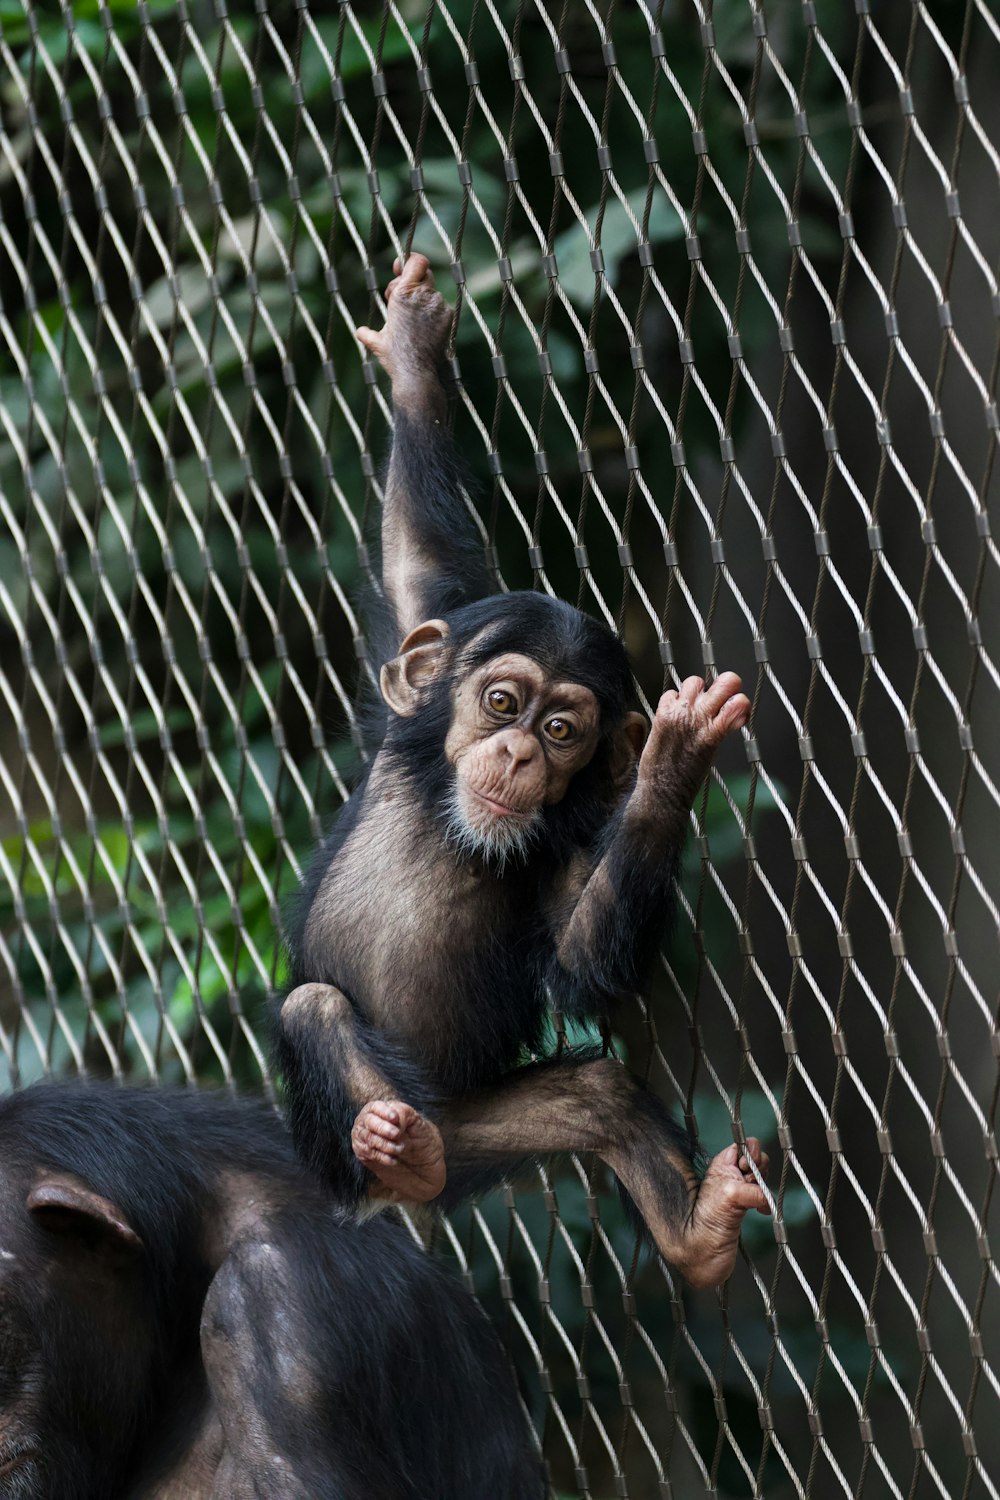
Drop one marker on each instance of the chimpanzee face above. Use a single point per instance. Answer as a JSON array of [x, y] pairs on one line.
[[517, 738], [519, 730]]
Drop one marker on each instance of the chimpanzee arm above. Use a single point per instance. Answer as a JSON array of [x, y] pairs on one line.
[[604, 943], [432, 558], [258, 1357]]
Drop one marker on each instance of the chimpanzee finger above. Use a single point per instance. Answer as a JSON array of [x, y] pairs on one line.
[[756, 1155], [734, 715], [384, 1129], [396, 1114], [725, 686], [751, 1150], [365, 1142], [383, 1159], [369, 339], [416, 270], [689, 690]]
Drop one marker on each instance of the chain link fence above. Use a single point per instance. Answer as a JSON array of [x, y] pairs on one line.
[[726, 362]]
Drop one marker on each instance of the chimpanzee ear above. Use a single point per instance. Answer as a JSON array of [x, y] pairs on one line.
[[422, 656], [634, 731], [62, 1204], [627, 747]]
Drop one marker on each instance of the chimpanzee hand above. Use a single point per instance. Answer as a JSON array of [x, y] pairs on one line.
[[402, 1148], [413, 342], [689, 725]]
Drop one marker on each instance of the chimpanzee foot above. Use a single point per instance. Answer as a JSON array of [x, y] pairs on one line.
[[413, 342], [707, 1253], [402, 1149]]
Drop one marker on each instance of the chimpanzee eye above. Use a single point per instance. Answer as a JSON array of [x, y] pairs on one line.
[[501, 702], [559, 729]]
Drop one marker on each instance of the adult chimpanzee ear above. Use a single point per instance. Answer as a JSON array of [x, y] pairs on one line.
[[62, 1204], [422, 656], [627, 747]]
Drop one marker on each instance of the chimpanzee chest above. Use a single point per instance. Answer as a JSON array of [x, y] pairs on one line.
[[440, 956]]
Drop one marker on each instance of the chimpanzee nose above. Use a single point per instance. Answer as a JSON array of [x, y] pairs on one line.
[[519, 746]]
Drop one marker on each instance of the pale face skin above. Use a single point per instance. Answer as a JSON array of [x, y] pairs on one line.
[[517, 738]]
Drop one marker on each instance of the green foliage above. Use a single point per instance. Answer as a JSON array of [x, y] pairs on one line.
[[115, 533], [140, 563]]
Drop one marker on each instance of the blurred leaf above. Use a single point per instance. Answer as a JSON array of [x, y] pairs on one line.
[[723, 830], [55, 38], [578, 1034], [715, 1126], [187, 290], [618, 240], [441, 177], [353, 62]]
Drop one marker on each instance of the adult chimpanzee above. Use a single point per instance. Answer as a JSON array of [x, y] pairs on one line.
[[513, 834], [184, 1313]]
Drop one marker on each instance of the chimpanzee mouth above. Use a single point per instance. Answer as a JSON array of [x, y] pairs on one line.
[[502, 808], [499, 838]]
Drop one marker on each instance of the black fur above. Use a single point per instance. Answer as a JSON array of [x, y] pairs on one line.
[[615, 961], [401, 1391]]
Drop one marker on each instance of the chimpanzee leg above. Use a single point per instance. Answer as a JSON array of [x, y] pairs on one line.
[[333, 1064], [598, 1106]]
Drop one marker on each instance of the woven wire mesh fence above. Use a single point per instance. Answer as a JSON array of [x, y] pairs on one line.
[[725, 373]]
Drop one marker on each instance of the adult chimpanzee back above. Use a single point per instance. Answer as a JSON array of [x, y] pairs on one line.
[[516, 834], [184, 1313]]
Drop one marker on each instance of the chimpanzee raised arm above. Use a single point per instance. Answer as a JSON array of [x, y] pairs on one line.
[[512, 833], [430, 564]]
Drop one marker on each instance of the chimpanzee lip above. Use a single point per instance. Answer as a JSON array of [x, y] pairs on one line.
[[500, 807], [13, 1455]]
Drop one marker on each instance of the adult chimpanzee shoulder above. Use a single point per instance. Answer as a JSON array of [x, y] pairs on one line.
[[185, 1314], [516, 833]]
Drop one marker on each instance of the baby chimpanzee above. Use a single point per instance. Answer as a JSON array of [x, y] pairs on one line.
[[516, 833]]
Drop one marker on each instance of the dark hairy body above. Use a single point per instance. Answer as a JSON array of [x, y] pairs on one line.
[[185, 1315], [515, 837]]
